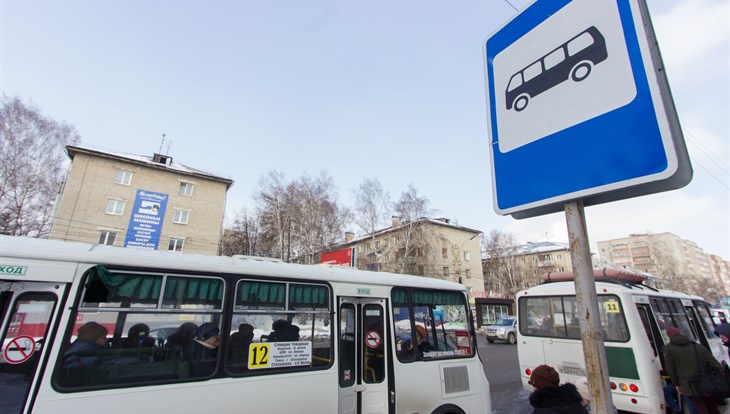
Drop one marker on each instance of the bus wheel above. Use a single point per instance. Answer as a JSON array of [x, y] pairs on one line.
[[580, 71], [448, 409], [511, 339], [521, 102]]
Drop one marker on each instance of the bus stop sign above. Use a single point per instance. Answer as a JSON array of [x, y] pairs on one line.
[[578, 107]]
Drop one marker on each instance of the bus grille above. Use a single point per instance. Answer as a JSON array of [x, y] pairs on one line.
[[456, 379]]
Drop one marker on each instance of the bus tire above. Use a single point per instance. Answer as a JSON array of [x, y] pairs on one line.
[[581, 71], [521, 102], [511, 339], [448, 409]]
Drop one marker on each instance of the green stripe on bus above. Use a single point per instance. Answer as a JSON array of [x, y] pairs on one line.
[[621, 363]]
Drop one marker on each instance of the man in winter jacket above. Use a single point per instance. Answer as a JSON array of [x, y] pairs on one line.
[[681, 365], [550, 397]]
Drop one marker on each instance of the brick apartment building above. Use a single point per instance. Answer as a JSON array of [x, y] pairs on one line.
[[139, 201]]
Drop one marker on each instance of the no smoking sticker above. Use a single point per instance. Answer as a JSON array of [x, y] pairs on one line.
[[19, 349], [372, 339]]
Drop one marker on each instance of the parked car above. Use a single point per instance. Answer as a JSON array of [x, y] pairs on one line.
[[505, 329]]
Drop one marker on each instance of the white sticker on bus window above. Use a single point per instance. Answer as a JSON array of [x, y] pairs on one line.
[[611, 306], [279, 355], [372, 312]]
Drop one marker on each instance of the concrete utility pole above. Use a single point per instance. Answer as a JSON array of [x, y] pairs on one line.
[[590, 324]]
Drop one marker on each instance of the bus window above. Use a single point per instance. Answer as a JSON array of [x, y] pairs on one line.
[[557, 316], [532, 71], [442, 319], [282, 313], [554, 58], [98, 351], [580, 43], [670, 312]]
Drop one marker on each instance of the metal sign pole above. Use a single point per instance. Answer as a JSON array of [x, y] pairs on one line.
[[590, 326]]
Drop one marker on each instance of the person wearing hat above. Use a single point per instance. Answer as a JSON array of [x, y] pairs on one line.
[[205, 349], [723, 331], [550, 397], [680, 360]]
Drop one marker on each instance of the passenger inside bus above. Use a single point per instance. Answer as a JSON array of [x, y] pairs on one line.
[[282, 331], [205, 349], [87, 349], [238, 348], [421, 342], [179, 344]]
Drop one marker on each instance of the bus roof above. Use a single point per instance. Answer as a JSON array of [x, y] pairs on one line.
[[64, 251]]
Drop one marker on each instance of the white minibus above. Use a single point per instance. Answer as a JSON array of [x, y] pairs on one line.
[[634, 318], [92, 328]]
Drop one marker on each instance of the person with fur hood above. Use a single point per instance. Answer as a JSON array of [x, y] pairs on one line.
[[550, 397]]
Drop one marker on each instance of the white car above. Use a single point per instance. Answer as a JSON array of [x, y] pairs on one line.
[[504, 329]]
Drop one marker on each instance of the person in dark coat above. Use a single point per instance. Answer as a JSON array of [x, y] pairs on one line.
[[87, 349], [550, 397], [204, 352], [238, 348], [723, 330], [681, 365]]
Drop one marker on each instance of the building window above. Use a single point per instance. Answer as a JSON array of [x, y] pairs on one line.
[[420, 270], [560, 257], [446, 271], [367, 246], [107, 237], [467, 256], [377, 244], [175, 245], [122, 177], [115, 207], [186, 189], [467, 273], [445, 253], [181, 216]]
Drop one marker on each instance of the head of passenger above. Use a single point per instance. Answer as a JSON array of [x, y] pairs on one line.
[[208, 334], [544, 376], [246, 331], [673, 331], [138, 335], [420, 334], [93, 332]]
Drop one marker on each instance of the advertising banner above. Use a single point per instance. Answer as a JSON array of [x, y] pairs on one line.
[[145, 223], [338, 257]]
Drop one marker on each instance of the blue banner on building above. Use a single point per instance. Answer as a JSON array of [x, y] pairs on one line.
[[145, 223]]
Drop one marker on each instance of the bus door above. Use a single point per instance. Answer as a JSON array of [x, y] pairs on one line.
[[362, 361], [652, 330], [26, 311]]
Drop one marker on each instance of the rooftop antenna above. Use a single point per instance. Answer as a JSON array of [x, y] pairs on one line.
[[162, 143], [168, 147]]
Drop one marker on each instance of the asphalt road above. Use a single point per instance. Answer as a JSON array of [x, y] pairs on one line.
[[502, 368]]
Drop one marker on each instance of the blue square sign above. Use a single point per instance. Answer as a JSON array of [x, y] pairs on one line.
[[579, 108]]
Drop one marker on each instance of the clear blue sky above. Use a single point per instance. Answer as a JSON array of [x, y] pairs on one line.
[[393, 90]]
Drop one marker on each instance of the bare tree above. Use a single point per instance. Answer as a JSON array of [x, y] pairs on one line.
[[299, 219], [31, 171], [504, 271], [275, 209], [243, 236], [319, 221], [372, 205], [410, 208], [667, 267]]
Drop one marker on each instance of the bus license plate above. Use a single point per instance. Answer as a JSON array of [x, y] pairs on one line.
[[572, 371]]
